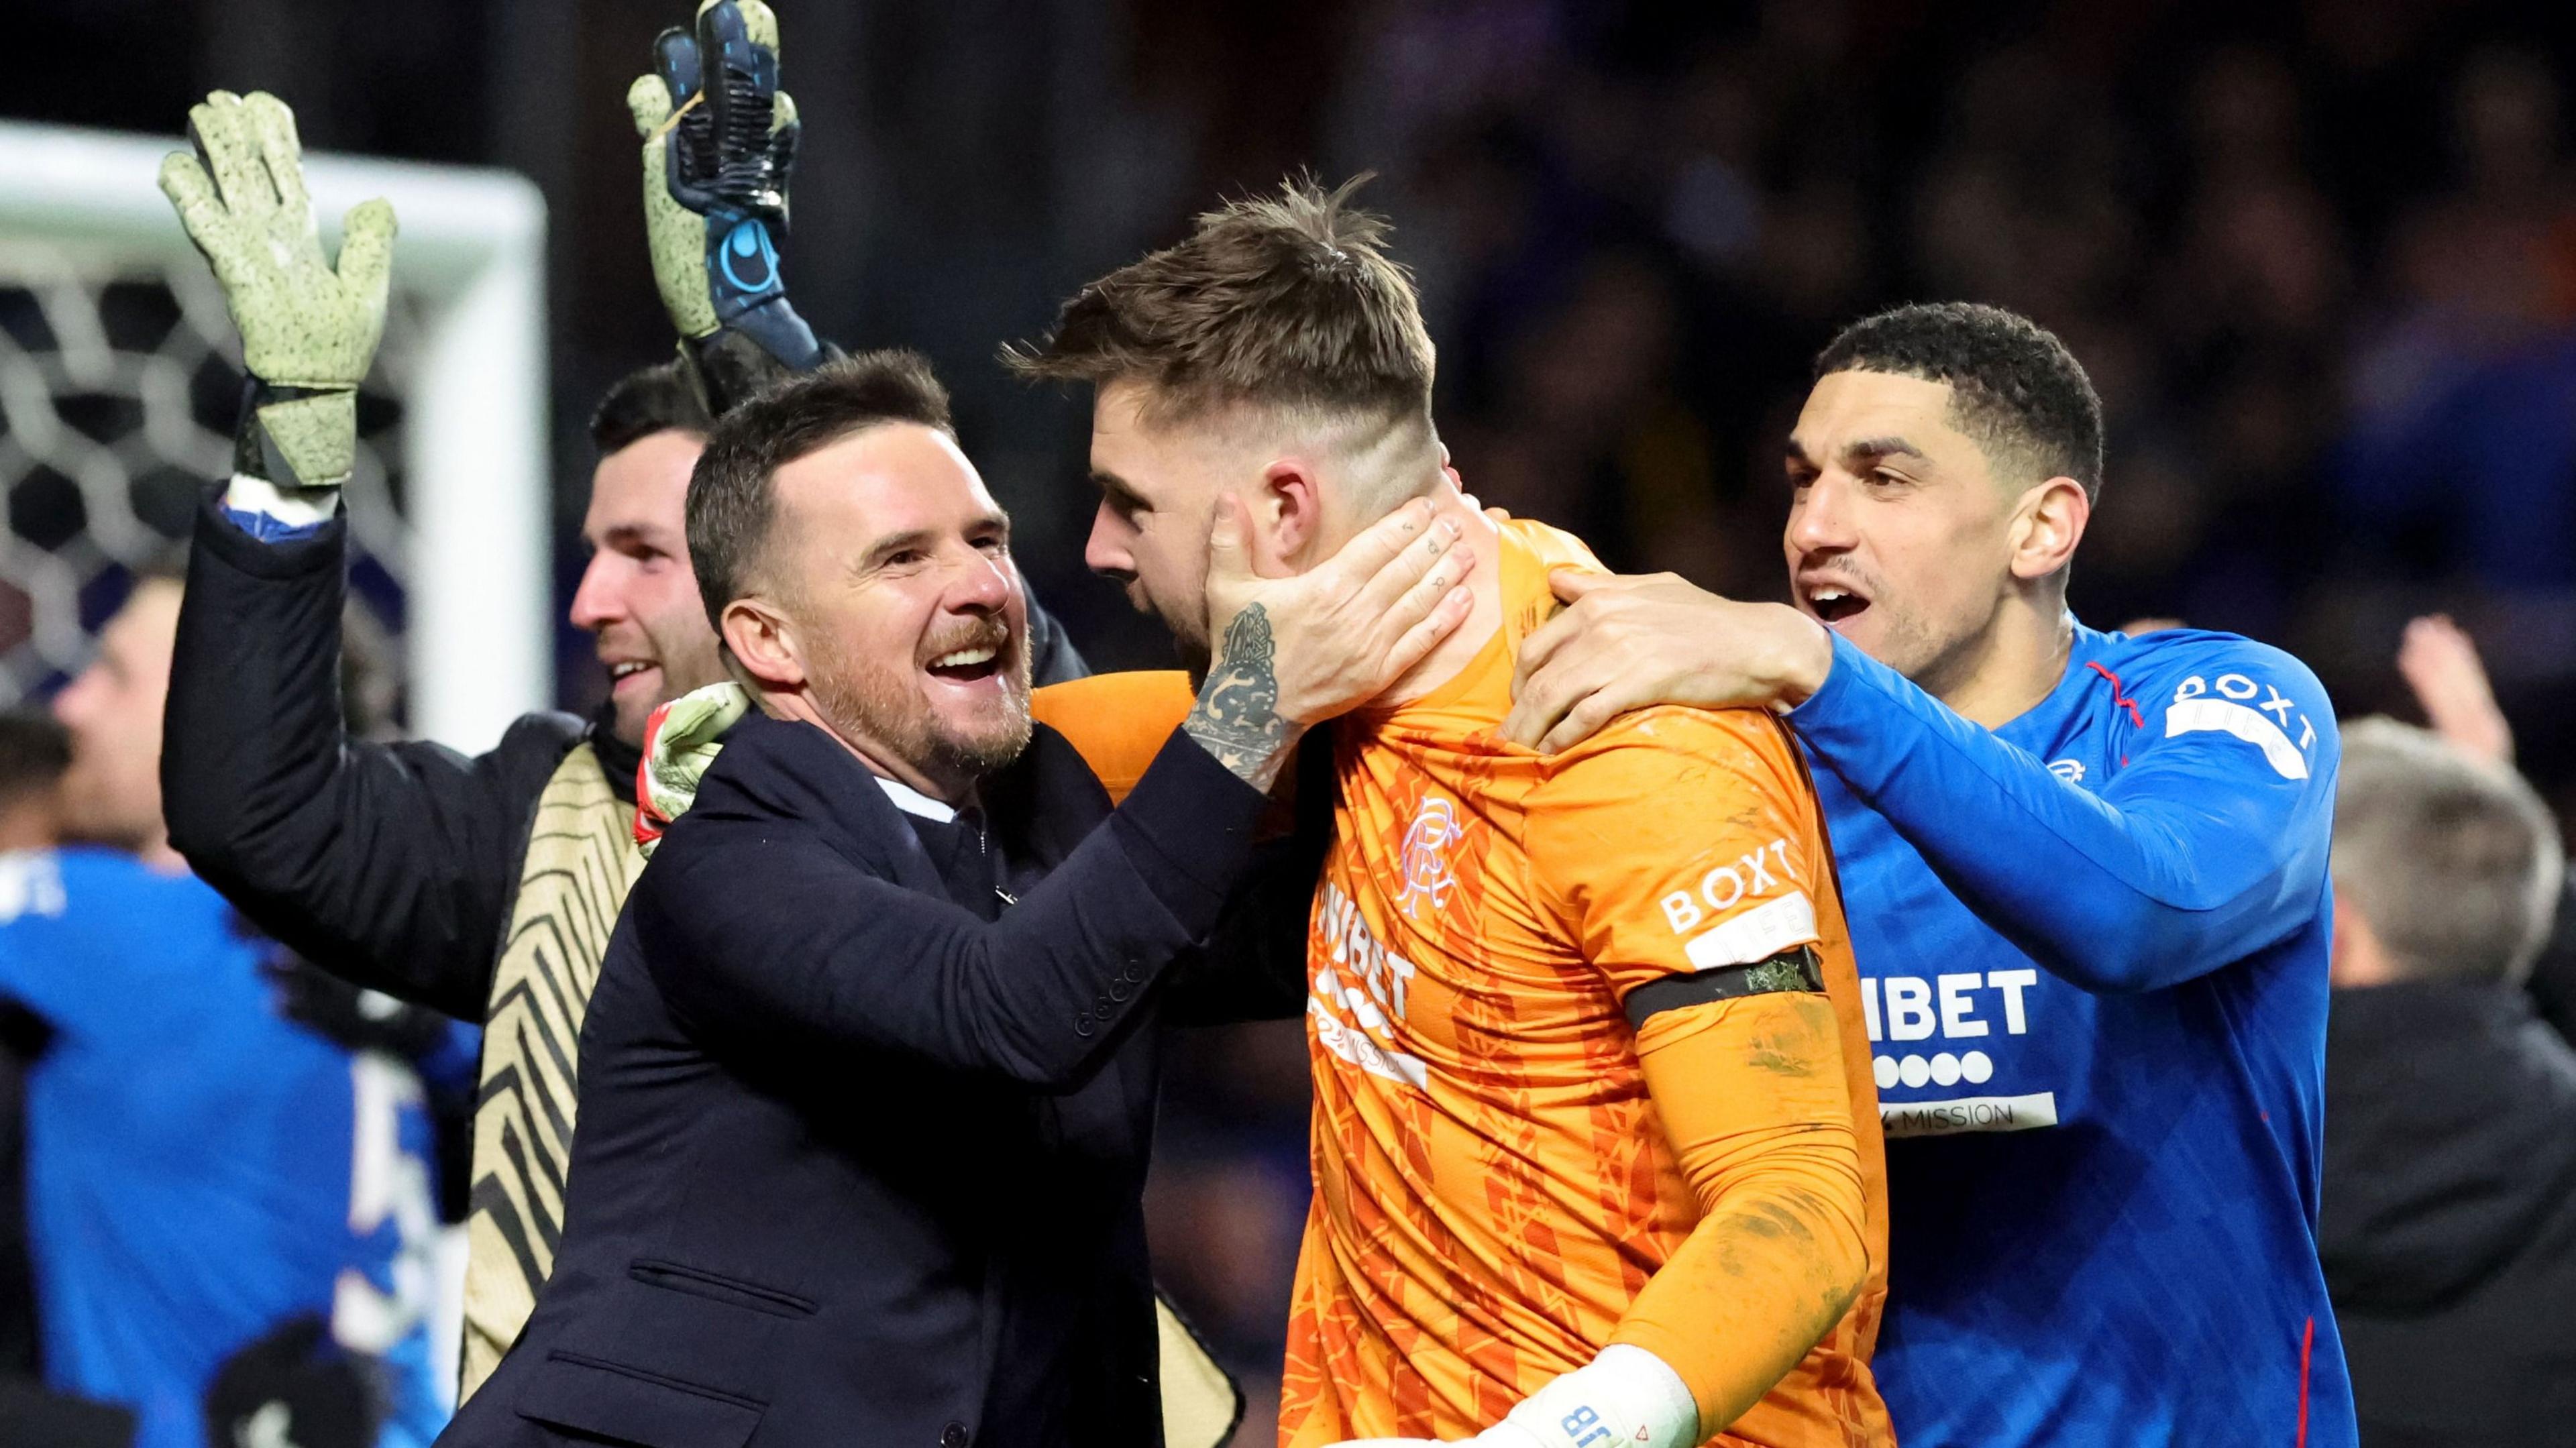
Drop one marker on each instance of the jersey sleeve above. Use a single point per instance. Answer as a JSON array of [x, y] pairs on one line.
[[47, 965], [1678, 841], [1118, 722], [2207, 844], [1754, 1101]]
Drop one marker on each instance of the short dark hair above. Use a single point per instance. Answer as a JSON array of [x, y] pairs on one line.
[[731, 500], [646, 401], [1287, 299], [2014, 388], [34, 752]]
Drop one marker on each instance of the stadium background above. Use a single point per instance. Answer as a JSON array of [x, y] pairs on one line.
[[2320, 259]]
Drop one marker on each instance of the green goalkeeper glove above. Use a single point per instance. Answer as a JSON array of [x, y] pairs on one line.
[[681, 740], [308, 330]]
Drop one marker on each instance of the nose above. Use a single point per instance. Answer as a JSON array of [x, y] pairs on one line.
[[984, 586], [1106, 550], [1822, 520], [598, 602]]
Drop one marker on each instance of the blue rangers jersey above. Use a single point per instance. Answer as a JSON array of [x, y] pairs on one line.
[[199, 1169], [2093, 956]]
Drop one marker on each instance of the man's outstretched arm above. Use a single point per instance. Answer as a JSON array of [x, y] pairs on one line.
[[388, 866], [2207, 845]]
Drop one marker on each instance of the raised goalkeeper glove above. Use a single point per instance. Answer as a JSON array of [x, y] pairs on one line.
[[681, 739], [309, 330], [1625, 1398], [719, 146]]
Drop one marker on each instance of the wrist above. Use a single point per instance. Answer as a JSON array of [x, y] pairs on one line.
[[1626, 1396], [1801, 657], [298, 438]]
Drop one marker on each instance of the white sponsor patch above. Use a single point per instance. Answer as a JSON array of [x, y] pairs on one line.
[[2210, 715], [1758, 934], [1968, 1113]]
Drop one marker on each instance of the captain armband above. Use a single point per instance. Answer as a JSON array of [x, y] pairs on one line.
[[1797, 970]]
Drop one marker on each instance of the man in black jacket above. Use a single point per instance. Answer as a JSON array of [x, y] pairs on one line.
[[484, 887], [869, 1074], [2448, 1229]]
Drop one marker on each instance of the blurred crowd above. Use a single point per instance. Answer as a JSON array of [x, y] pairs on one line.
[[2320, 261]]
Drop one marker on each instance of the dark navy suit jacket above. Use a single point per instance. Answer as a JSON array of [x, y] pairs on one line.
[[856, 1166]]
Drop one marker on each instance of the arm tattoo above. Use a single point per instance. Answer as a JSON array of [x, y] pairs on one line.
[[1237, 717]]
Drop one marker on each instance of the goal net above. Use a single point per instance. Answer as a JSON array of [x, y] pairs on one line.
[[120, 379]]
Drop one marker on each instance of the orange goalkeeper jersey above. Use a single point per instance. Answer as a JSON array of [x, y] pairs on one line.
[[1493, 1187]]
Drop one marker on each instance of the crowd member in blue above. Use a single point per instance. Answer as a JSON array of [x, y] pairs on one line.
[[228, 1215], [2088, 890]]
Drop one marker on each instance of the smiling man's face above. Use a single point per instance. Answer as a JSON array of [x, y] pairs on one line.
[[1899, 535], [638, 597], [894, 566]]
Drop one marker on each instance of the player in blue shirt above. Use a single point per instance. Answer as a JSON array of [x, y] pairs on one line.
[[223, 1207], [2087, 882]]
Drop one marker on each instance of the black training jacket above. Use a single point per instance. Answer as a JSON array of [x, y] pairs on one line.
[[2448, 1229]]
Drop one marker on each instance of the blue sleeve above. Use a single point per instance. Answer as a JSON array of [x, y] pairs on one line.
[[2207, 843], [45, 965]]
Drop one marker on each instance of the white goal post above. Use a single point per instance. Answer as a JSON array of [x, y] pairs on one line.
[[464, 365]]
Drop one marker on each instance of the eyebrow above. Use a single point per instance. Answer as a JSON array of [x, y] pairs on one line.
[[628, 533], [894, 543], [1116, 487], [1865, 448]]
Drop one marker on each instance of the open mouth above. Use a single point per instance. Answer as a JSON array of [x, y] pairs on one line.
[[619, 674], [1834, 603], [966, 666]]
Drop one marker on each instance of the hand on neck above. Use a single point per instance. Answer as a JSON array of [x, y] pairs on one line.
[[1485, 582]]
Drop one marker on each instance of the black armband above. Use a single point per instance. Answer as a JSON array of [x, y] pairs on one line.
[[1797, 970]]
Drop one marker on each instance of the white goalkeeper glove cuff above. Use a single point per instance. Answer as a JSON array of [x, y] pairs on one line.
[[251, 498], [1626, 1396]]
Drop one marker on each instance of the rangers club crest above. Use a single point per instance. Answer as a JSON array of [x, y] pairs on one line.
[[1425, 860]]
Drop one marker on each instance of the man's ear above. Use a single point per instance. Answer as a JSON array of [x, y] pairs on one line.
[[1287, 517], [2048, 524], [763, 641]]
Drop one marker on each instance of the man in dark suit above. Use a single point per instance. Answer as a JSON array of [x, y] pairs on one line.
[[868, 1077]]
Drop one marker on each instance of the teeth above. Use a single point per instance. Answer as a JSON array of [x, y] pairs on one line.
[[620, 671], [963, 658], [1829, 595]]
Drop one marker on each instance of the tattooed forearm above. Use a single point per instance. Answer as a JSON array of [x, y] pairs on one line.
[[1237, 718]]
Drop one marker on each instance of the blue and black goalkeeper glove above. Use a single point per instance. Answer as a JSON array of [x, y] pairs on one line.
[[719, 146]]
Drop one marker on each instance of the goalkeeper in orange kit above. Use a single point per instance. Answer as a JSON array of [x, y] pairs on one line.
[[1596, 1152]]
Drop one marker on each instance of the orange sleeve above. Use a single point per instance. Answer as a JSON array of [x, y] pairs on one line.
[[1677, 842], [1118, 721], [1752, 1097]]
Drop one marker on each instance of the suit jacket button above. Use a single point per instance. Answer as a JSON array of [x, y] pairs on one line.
[[953, 1436], [1118, 992], [1082, 1024]]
